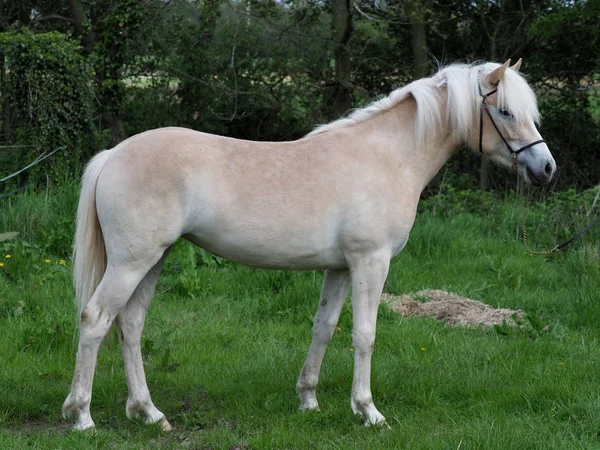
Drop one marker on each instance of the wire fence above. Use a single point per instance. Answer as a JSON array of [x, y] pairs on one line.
[[16, 191], [45, 155], [2, 147]]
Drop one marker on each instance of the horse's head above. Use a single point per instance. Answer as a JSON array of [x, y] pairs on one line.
[[507, 113]]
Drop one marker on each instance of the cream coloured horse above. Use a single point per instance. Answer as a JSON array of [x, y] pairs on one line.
[[342, 199]]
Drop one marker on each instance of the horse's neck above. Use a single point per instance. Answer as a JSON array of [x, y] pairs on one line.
[[418, 161]]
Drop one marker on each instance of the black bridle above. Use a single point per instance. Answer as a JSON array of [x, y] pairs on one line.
[[484, 107], [514, 153]]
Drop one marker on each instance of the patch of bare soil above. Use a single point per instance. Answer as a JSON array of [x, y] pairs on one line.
[[36, 426], [449, 308]]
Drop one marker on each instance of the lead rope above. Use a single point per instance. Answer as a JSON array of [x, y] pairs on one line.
[[522, 187]]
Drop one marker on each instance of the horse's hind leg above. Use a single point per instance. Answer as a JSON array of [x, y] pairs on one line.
[[335, 289], [111, 295], [130, 322]]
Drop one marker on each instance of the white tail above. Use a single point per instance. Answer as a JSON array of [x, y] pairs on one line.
[[89, 251]]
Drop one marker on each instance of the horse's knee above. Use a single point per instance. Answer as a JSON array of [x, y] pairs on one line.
[[363, 338], [323, 335]]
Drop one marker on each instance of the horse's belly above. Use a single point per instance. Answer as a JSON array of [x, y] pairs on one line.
[[272, 252]]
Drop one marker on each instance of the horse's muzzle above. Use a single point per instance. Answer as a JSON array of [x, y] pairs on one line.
[[542, 175]]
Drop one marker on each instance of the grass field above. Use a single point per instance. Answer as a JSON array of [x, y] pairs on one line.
[[223, 344]]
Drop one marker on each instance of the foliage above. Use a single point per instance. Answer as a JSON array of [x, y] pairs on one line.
[[568, 125], [265, 70], [48, 93], [46, 220], [449, 200], [551, 219], [568, 38], [117, 27], [247, 76]]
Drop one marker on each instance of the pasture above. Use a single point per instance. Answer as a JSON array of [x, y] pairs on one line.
[[223, 343]]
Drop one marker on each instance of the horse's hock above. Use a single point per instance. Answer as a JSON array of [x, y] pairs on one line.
[[449, 308]]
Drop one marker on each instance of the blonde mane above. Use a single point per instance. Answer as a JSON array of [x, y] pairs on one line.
[[462, 82]]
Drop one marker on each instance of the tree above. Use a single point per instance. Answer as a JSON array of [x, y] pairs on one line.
[[341, 19], [82, 28], [416, 12]]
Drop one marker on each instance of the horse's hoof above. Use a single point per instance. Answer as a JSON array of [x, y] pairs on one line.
[[376, 420], [165, 425], [86, 427], [310, 406]]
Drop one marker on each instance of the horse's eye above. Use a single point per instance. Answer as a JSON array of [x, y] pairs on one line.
[[505, 113]]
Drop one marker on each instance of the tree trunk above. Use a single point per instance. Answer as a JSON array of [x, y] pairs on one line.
[[6, 130], [484, 166], [107, 79], [210, 13], [416, 15], [114, 121], [415, 10], [24, 13], [342, 31], [88, 39], [112, 97]]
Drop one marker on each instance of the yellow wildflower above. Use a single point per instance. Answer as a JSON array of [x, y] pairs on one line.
[[62, 262], [422, 349], [8, 256], [1, 264], [47, 260]]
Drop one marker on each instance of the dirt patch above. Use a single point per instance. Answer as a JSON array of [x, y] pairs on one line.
[[34, 427], [449, 308]]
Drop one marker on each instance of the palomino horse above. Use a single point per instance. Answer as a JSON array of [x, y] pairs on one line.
[[342, 199]]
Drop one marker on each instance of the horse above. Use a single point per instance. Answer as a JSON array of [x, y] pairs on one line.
[[342, 199]]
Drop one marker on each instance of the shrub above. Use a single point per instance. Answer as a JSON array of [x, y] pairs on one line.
[[49, 98]]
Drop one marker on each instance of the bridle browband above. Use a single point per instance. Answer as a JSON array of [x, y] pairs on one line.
[[484, 107]]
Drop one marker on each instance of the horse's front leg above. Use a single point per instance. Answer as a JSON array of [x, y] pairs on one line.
[[368, 276], [335, 289]]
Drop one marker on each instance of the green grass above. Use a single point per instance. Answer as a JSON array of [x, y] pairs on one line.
[[224, 344]]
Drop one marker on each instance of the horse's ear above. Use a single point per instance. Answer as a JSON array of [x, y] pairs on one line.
[[517, 65], [494, 77]]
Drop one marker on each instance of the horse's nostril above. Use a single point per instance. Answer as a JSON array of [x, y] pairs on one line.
[[548, 169]]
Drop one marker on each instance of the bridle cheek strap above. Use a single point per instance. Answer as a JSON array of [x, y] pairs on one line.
[[484, 107]]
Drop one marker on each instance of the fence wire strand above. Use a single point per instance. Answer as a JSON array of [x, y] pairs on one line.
[[38, 160]]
